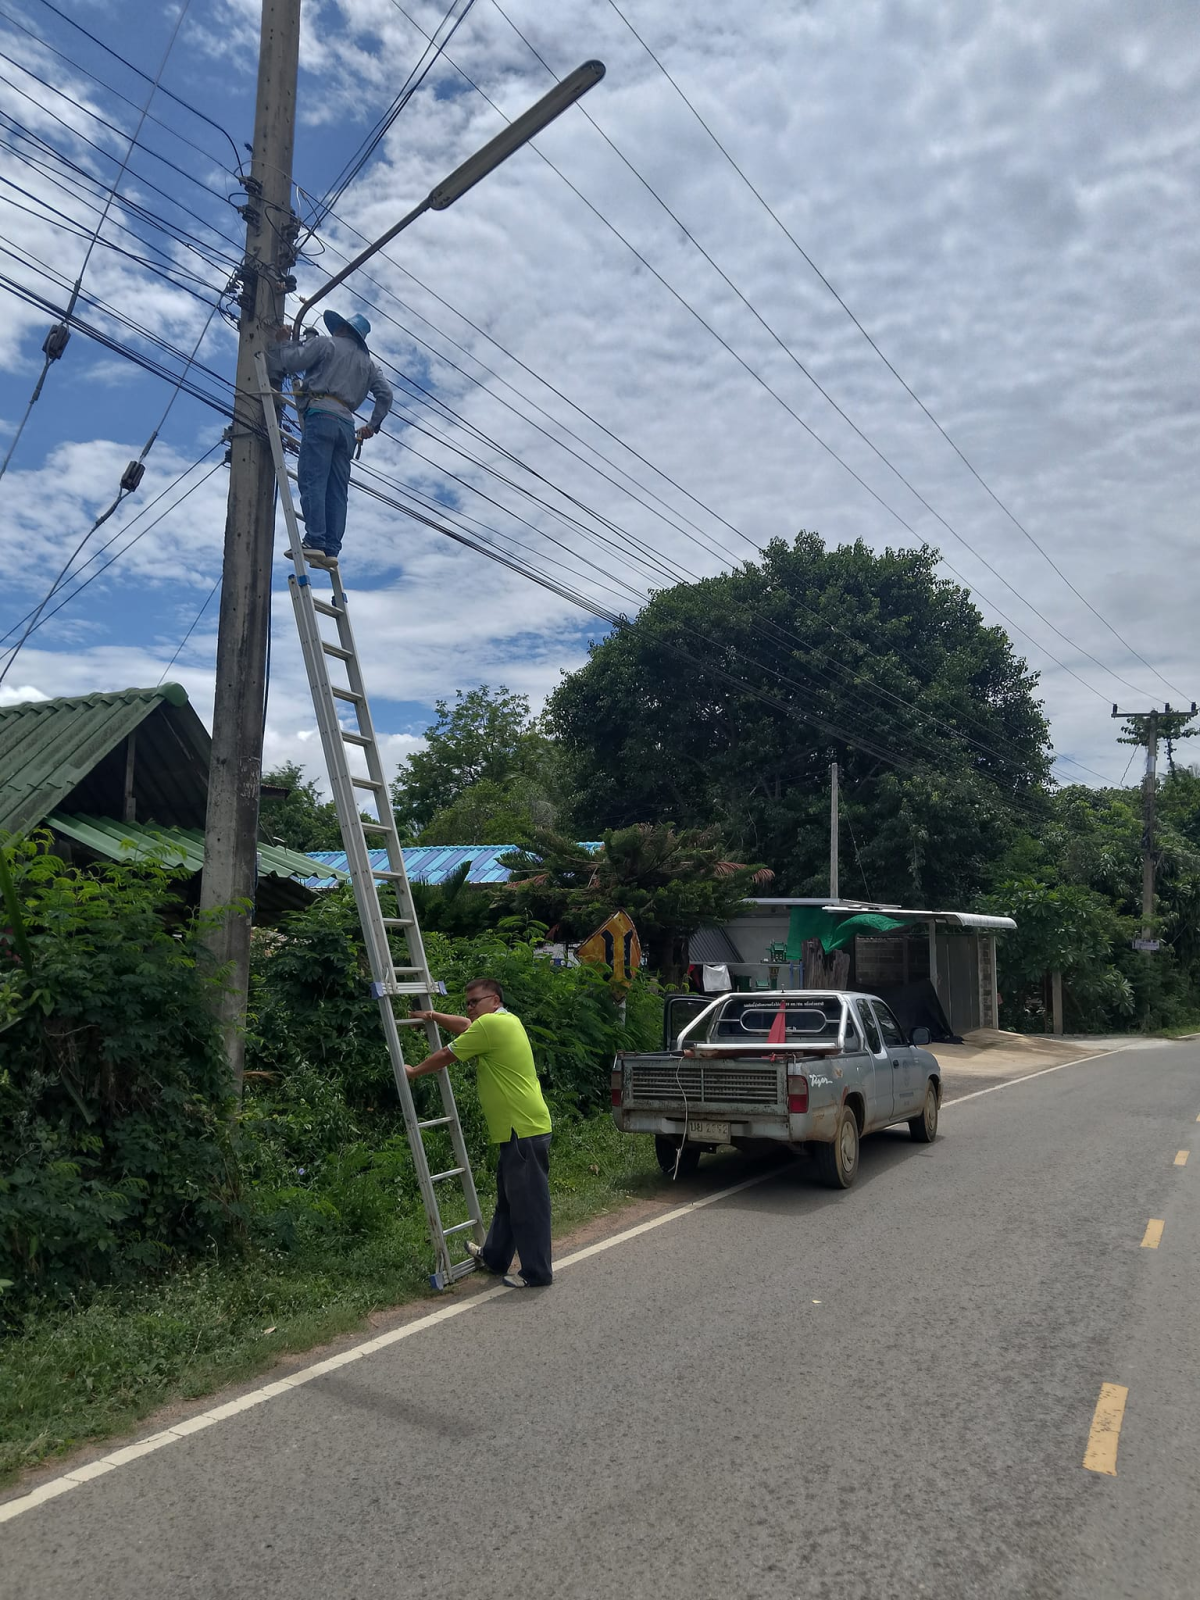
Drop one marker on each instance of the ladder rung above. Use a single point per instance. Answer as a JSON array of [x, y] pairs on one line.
[[356, 738], [459, 1227], [408, 971], [399, 922], [436, 1122], [451, 1172], [408, 1022], [376, 827], [345, 694], [327, 610], [397, 877], [336, 650], [378, 990], [368, 783]]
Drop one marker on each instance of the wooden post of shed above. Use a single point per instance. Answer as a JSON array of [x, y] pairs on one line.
[[128, 803], [1056, 1000]]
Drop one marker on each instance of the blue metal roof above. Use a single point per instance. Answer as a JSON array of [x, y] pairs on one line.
[[428, 863]]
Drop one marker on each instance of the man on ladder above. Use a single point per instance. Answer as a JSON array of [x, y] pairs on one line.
[[340, 374]]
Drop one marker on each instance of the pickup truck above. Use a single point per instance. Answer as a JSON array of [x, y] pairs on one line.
[[812, 1070]]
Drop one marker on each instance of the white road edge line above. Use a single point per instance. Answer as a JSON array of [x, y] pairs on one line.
[[1096, 1055], [204, 1419]]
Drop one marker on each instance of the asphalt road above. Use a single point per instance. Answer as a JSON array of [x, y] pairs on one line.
[[790, 1392]]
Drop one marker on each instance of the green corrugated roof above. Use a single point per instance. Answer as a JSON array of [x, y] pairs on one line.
[[175, 847], [49, 747]]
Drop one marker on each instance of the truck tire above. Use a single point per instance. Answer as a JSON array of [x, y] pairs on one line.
[[666, 1149], [924, 1128], [837, 1163]]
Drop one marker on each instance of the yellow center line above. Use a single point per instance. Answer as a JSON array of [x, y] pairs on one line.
[[1152, 1235], [1101, 1454], [1181, 1158]]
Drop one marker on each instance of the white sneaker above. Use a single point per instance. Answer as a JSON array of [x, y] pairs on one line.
[[475, 1251]]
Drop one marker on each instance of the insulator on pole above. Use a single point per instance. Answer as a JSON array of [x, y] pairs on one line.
[[55, 341]]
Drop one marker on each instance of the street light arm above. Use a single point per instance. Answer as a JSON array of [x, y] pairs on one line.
[[353, 266], [475, 167]]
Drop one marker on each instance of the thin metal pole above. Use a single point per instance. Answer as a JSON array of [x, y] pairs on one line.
[[833, 831], [353, 266]]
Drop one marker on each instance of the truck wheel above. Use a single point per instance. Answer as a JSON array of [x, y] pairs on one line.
[[924, 1127], [837, 1163], [666, 1149]]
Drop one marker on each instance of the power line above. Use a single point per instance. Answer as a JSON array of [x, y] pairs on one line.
[[145, 76], [191, 630], [77, 66], [782, 344], [131, 480], [676, 576], [970, 466], [56, 339], [112, 127], [783, 403], [101, 570], [408, 89], [82, 185]]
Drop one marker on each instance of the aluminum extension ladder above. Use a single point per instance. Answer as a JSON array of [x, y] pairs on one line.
[[389, 980]]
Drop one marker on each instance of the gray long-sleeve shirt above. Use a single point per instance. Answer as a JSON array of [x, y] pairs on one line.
[[338, 375]]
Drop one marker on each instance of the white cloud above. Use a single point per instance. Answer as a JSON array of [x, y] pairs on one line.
[[1006, 197]]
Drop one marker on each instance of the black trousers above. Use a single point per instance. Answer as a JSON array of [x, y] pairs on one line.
[[522, 1220]]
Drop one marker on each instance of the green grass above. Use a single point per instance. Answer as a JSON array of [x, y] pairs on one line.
[[1180, 1030], [74, 1374]]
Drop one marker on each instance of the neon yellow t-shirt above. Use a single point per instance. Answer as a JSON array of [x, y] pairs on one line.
[[509, 1091]]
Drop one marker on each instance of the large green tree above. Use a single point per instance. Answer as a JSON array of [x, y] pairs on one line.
[[301, 819], [486, 774], [1075, 889], [725, 701]]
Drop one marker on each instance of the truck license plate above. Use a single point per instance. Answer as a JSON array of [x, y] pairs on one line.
[[708, 1132]]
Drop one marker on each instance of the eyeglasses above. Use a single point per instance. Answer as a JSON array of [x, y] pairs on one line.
[[471, 1004]]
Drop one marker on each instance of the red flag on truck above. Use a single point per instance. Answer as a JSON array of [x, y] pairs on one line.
[[778, 1033]]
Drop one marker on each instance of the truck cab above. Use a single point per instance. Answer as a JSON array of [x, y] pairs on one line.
[[812, 1070]]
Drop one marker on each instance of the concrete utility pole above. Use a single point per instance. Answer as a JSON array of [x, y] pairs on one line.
[[231, 825], [1144, 729], [833, 832]]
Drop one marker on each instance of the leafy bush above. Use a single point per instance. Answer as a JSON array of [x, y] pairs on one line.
[[114, 1150]]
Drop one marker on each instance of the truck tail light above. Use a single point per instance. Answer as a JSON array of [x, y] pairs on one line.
[[797, 1092], [616, 1083]]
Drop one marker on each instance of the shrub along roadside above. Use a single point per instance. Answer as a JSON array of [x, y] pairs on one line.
[[159, 1249], [115, 1155], [73, 1374]]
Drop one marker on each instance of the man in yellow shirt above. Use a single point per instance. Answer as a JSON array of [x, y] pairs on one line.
[[518, 1121]]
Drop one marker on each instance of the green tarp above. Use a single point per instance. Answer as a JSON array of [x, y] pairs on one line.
[[835, 929]]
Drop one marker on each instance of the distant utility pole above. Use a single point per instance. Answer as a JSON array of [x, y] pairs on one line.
[[1144, 729], [833, 832], [235, 774]]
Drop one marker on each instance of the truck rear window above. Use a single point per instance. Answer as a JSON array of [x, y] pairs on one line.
[[814, 1021]]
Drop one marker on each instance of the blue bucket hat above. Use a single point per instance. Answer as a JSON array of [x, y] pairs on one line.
[[357, 325]]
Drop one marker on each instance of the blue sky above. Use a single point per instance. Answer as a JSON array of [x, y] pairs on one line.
[[1004, 195]]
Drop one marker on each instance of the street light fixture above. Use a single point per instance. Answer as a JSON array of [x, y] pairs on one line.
[[475, 167]]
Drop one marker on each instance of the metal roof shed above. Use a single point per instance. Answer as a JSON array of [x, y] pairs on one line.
[[124, 776]]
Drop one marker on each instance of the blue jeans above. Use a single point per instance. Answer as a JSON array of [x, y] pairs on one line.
[[323, 470]]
